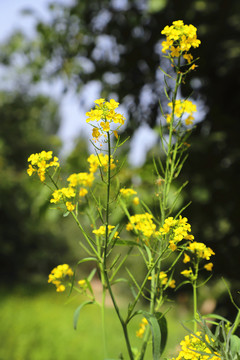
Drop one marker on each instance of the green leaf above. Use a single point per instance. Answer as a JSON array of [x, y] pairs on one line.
[[156, 334], [235, 345], [162, 322], [127, 242], [86, 259], [77, 312], [91, 275], [214, 316]]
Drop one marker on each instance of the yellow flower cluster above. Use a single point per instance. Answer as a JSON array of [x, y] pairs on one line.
[[142, 328], [163, 280], [100, 160], [102, 231], [58, 275], [193, 348], [64, 194], [177, 230], [81, 179], [200, 250], [40, 162], [127, 193], [179, 39], [181, 108], [104, 113], [77, 184], [144, 224], [187, 273]]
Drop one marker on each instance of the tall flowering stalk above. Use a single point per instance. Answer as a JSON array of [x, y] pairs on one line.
[[156, 237]]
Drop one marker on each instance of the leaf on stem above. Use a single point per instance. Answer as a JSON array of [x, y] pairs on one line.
[[156, 334], [77, 312]]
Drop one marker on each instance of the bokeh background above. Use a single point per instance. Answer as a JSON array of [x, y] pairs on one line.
[[54, 61]]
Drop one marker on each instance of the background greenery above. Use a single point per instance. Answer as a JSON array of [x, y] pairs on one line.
[[35, 238]]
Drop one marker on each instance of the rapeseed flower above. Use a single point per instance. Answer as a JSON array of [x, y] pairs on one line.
[[102, 231], [142, 328], [180, 38], [143, 223], [102, 116], [192, 347], [176, 230], [40, 162], [181, 108], [58, 275], [100, 161], [128, 193], [200, 250]]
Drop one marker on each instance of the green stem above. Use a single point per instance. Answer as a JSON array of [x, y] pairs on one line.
[[143, 285], [86, 237], [169, 162], [195, 314], [108, 285], [152, 308], [103, 320]]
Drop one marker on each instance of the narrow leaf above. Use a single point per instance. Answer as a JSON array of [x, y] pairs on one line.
[[162, 322], [77, 312], [156, 334]]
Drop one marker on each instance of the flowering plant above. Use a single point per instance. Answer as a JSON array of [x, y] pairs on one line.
[[161, 240]]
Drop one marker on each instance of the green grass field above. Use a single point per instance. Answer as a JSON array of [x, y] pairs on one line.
[[40, 327]]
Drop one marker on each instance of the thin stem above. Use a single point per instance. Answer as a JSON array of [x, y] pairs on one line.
[[103, 320], [86, 237], [195, 314], [108, 285], [194, 285], [152, 308]]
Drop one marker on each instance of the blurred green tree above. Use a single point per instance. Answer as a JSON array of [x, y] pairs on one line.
[[31, 242]]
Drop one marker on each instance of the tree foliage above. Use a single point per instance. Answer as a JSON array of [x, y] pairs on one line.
[[117, 44], [30, 241]]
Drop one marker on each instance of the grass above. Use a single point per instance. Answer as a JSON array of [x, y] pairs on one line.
[[40, 327]]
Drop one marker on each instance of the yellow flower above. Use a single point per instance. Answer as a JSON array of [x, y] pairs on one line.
[[102, 231], [112, 104], [100, 160], [143, 223], [70, 206], [127, 192], [186, 258], [172, 284], [83, 192], [179, 39], [60, 288], [136, 200], [99, 102], [104, 111], [105, 126], [192, 347], [172, 245], [82, 282], [95, 133], [142, 325], [187, 273], [208, 266], [58, 275], [40, 162], [201, 250], [182, 107]]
